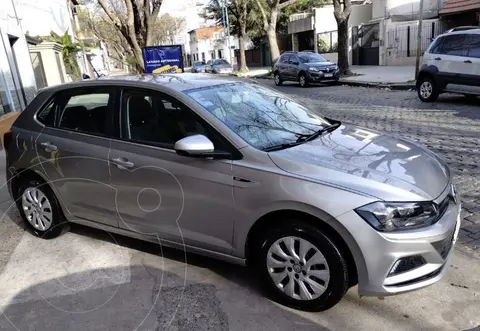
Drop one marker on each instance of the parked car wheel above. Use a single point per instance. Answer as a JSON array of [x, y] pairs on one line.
[[301, 267], [39, 208], [278, 79], [303, 80], [427, 89]]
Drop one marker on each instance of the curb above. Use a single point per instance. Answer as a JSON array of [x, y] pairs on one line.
[[391, 86]]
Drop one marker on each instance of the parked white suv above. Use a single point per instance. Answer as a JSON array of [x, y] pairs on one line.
[[451, 64]]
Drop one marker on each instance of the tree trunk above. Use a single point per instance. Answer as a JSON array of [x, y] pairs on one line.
[[243, 60], [272, 42], [343, 47]]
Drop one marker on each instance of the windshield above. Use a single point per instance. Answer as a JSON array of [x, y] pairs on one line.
[[217, 62], [199, 64], [262, 117], [311, 57]]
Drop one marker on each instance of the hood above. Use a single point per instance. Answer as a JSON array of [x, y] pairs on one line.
[[320, 64], [369, 162]]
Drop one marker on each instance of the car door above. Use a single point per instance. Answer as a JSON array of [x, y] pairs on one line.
[[72, 151], [453, 64], [293, 67], [282, 66], [180, 199], [474, 57]]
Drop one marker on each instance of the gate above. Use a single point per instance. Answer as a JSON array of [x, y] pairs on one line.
[[355, 46], [368, 34]]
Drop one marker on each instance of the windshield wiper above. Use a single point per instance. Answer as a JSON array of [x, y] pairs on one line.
[[304, 138], [282, 146]]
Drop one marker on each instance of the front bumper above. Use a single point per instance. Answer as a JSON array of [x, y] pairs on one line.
[[380, 251], [320, 76]]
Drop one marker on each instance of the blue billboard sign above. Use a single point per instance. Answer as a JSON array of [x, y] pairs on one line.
[[163, 59]]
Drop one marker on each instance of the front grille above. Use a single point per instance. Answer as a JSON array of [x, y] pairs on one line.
[[443, 246]]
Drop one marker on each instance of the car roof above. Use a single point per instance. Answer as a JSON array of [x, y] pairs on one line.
[[466, 31], [177, 82]]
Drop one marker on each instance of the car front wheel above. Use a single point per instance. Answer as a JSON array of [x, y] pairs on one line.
[[303, 80], [427, 90], [278, 79], [301, 267]]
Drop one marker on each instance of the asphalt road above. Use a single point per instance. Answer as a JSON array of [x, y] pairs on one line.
[[88, 279]]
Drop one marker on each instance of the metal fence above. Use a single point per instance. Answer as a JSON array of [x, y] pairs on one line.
[[327, 42], [403, 39]]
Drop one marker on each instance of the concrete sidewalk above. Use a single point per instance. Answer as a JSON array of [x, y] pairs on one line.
[[399, 77]]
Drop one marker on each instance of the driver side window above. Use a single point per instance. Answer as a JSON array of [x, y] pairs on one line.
[[157, 119]]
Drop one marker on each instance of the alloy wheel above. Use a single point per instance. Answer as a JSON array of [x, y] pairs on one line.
[[277, 79], [298, 268], [37, 208], [302, 80], [426, 89]]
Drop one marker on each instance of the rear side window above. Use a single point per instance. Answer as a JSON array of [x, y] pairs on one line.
[[437, 46], [46, 116], [455, 45], [86, 113], [474, 42], [284, 58]]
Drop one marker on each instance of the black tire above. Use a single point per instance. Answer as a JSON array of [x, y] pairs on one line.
[[58, 225], [423, 88], [303, 80], [278, 79], [338, 283]]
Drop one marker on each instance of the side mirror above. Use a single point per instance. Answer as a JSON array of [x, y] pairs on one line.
[[198, 146]]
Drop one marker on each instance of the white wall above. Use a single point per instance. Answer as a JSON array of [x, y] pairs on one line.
[[39, 17], [407, 8], [17, 81]]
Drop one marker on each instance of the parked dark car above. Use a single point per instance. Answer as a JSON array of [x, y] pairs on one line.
[[219, 66], [198, 66], [305, 68]]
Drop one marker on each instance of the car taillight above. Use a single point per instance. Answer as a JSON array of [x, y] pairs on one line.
[[7, 139]]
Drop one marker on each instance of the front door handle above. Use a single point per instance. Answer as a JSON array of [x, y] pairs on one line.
[[49, 147], [438, 58], [122, 163], [467, 61]]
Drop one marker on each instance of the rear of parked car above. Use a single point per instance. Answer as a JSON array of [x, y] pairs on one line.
[[451, 64]]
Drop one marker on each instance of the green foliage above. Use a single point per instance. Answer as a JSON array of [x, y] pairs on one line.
[[68, 52], [323, 46]]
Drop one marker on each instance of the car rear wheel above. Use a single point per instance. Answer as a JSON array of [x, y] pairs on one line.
[[301, 267], [39, 208], [278, 79], [303, 80], [427, 90]]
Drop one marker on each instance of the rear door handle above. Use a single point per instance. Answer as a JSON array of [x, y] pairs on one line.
[[122, 163], [438, 58], [49, 147], [467, 61]]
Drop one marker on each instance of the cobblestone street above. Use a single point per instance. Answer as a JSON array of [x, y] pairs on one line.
[[449, 127]]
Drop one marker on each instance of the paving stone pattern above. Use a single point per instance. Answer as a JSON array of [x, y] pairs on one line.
[[450, 127]]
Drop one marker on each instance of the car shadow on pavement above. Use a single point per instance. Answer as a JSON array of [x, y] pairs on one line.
[[165, 289]]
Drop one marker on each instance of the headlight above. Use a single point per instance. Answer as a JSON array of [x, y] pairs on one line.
[[393, 216], [313, 69]]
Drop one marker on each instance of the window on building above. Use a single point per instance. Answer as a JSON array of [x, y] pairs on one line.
[[455, 45], [220, 55], [203, 56]]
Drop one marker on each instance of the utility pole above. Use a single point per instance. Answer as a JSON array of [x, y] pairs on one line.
[[228, 35], [419, 38]]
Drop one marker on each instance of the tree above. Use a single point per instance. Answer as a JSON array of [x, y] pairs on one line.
[[342, 14], [269, 10], [243, 18], [166, 28], [135, 21], [296, 7]]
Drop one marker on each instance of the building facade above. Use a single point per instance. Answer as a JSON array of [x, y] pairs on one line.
[[17, 80], [210, 43]]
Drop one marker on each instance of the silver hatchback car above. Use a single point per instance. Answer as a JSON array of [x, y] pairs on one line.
[[238, 172]]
